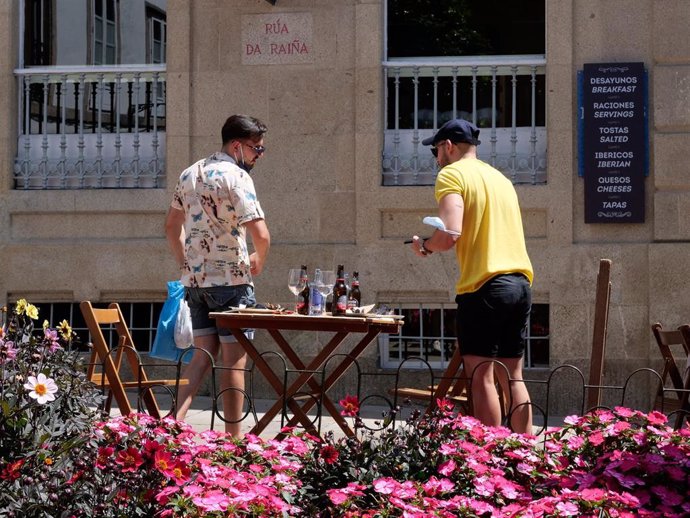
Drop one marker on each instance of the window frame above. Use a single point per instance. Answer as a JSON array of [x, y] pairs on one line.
[[154, 16], [132, 310], [106, 23]]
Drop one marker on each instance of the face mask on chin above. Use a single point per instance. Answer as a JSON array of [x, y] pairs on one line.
[[242, 164]]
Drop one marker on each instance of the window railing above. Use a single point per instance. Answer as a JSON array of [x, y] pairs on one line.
[[91, 127], [141, 317], [429, 334], [505, 96]]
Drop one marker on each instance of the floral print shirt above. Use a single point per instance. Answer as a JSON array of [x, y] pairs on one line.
[[218, 198]]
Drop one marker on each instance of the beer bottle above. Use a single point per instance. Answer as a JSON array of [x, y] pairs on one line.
[[339, 306], [354, 298], [303, 295]]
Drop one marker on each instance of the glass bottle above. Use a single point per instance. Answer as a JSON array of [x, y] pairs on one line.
[[339, 304], [316, 299], [354, 297]]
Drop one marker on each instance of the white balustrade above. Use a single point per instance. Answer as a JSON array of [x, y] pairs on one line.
[[91, 127], [503, 95]]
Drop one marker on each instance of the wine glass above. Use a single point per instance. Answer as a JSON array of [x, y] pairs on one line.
[[295, 282], [325, 283]]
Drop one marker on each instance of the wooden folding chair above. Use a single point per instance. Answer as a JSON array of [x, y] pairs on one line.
[[111, 360], [601, 322], [672, 395], [452, 386]]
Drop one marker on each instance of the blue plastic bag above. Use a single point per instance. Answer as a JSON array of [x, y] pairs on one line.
[[164, 347]]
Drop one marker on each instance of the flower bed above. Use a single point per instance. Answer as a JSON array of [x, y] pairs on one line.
[[611, 463]]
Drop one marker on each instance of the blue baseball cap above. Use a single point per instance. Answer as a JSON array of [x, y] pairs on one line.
[[455, 130]]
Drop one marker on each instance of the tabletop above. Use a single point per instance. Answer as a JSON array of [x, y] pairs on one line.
[[292, 321]]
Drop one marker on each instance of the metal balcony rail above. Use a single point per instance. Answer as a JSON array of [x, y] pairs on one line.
[[91, 127], [505, 96]]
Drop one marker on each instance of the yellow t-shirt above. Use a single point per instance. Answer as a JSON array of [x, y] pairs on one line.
[[492, 240]]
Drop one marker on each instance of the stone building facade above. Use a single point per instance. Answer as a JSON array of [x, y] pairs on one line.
[[321, 89]]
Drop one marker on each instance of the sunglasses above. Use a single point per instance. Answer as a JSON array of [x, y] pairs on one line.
[[434, 149], [259, 150]]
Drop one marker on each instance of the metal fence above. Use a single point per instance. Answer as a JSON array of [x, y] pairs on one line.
[[644, 382], [91, 127]]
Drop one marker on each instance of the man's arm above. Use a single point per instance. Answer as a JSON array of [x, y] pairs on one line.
[[261, 239], [450, 210], [174, 232]]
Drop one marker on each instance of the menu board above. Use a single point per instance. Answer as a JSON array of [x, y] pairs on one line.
[[614, 150]]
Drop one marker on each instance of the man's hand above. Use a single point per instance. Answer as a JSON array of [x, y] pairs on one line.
[[256, 265], [417, 247], [261, 239]]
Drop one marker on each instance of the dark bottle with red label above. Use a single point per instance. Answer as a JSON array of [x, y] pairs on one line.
[[339, 305], [303, 295], [354, 298]]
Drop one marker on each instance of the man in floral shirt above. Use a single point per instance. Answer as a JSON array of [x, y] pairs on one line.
[[213, 209]]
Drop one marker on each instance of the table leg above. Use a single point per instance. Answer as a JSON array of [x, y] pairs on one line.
[[273, 380], [313, 384], [334, 376]]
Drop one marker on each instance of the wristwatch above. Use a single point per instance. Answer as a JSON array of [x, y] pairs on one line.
[[424, 250]]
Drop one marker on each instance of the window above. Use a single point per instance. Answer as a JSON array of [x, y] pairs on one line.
[[105, 32], [429, 333], [156, 29], [96, 127], [142, 320], [38, 34], [463, 59]]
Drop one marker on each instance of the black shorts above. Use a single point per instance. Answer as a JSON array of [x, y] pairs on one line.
[[492, 321], [202, 301]]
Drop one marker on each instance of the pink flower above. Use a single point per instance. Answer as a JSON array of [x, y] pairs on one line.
[[130, 459], [213, 500], [596, 438], [447, 468], [350, 406], [657, 418], [385, 485], [593, 494], [51, 337], [337, 496], [567, 509], [8, 351], [435, 486], [164, 462], [104, 454], [163, 496]]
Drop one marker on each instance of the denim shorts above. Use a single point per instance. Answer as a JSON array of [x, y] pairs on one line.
[[492, 321], [203, 301]]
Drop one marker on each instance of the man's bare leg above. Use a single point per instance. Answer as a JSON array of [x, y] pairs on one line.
[[485, 402], [195, 372], [232, 386]]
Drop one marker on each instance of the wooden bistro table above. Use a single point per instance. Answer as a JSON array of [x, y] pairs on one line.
[[275, 323]]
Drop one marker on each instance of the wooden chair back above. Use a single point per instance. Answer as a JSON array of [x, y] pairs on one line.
[[111, 360], [674, 347], [601, 322]]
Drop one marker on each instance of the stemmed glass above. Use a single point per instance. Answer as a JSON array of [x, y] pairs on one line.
[[295, 282], [324, 284]]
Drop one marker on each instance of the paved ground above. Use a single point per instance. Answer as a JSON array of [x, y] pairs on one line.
[[201, 417]]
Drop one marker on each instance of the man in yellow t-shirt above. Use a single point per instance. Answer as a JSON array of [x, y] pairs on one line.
[[479, 208]]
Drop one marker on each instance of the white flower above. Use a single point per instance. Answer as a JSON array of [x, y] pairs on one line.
[[41, 388]]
